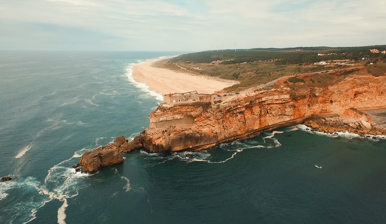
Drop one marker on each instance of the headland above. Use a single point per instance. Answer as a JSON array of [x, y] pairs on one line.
[[332, 98]]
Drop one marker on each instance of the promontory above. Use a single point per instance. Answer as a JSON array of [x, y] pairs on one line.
[[342, 90]]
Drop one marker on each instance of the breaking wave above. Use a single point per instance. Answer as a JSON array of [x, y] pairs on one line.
[[61, 183], [143, 87], [205, 156]]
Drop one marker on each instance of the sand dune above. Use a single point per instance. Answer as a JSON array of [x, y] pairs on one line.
[[166, 81]]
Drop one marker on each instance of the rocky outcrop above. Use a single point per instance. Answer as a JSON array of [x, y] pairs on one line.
[[352, 121], [106, 155], [244, 115], [4, 179], [336, 123]]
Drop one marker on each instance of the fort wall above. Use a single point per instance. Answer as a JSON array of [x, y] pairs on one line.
[[185, 98]]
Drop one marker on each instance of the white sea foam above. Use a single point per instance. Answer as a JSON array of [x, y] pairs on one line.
[[127, 187], [293, 129], [97, 141], [273, 134], [57, 124], [3, 195], [89, 101], [72, 101], [62, 183], [151, 154], [236, 152], [62, 213], [113, 93], [189, 156], [23, 151], [277, 143], [144, 152], [30, 202], [132, 136], [77, 154], [143, 87], [204, 156]]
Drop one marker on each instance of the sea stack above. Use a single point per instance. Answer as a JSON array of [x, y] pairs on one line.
[[102, 156]]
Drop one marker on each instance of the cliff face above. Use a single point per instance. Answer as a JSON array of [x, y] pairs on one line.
[[201, 125]]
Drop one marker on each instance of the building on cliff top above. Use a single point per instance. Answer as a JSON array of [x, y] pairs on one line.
[[185, 98], [374, 51]]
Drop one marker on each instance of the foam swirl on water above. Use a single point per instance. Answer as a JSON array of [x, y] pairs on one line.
[[23, 151], [205, 156]]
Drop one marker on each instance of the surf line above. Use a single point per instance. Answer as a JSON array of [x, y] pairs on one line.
[[273, 134], [143, 87]]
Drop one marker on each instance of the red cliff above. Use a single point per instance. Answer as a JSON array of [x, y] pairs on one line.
[[200, 124], [199, 121]]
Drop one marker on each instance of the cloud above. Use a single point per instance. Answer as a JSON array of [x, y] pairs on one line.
[[189, 25]]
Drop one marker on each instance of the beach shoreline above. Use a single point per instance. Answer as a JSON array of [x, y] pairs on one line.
[[164, 81]]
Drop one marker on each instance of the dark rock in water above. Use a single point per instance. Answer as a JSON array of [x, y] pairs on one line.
[[4, 179], [106, 155]]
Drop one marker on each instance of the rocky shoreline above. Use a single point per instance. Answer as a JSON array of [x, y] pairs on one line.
[[195, 121], [352, 121]]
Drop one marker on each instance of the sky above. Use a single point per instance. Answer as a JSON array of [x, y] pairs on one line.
[[188, 25]]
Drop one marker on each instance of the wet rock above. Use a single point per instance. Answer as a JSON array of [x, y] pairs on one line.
[[4, 179], [107, 155]]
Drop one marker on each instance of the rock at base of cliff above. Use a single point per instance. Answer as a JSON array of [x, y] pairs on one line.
[[107, 155], [353, 114], [352, 120]]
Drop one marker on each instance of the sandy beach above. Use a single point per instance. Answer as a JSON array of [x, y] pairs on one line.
[[166, 81]]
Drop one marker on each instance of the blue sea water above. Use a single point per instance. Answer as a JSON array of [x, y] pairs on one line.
[[54, 106]]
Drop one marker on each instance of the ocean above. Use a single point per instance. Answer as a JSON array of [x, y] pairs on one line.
[[55, 106]]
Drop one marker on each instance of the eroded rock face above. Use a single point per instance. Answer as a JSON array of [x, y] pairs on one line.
[[106, 155], [352, 120], [199, 125]]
